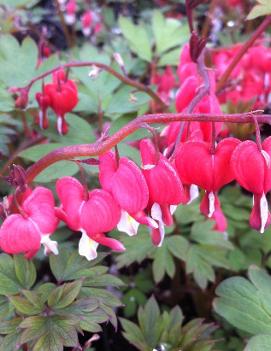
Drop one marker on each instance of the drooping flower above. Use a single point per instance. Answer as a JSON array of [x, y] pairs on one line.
[[62, 96], [252, 171], [211, 171], [91, 212], [165, 188], [31, 226], [125, 180]]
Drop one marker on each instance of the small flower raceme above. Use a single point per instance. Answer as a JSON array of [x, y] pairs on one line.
[[125, 180], [196, 164], [251, 166], [91, 212], [165, 188], [30, 224], [61, 96]]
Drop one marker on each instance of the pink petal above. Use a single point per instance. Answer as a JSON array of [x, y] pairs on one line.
[[19, 235], [125, 181], [40, 207], [109, 242], [249, 167], [163, 181], [194, 164], [100, 213], [71, 194]]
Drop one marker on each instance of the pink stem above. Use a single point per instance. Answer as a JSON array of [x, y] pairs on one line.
[[98, 148]]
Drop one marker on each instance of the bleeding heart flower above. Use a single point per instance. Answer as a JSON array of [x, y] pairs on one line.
[[165, 188], [197, 165], [252, 171], [44, 102], [92, 213], [25, 231], [124, 179], [63, 98]]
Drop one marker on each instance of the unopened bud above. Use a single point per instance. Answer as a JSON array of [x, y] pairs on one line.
[[21, 96]]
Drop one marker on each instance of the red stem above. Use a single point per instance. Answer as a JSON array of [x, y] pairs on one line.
[[126, 80], [98, 148], [242, 51]]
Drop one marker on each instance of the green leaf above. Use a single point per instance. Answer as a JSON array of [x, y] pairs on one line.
[[133, 334], [18, 3], [34, 327], [178, 246], [121, 102], [137, 37], [168, 32], [244, 304], [10, 54], [9, 326], [262, 9], [259, 343], [64, 295], [171, 58], [7, 103], [25, 271], [9, 283], [203, 233], [138, 248], [10, 342], [69, 265], [103, 280], [163, 263], [24, 306], [201, 269]]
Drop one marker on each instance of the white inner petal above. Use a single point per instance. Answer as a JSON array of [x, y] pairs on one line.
[[49, 245], [193, 192], [87, 247], [266, 157], [127, 224], [156, 214], [59, 125], [147, 167], [211, 197], [172, 209], [264, 212]]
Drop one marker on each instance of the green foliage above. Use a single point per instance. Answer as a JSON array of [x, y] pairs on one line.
[[263, 8], [246, 305], [202, 249], [49, 317], [7, 124], [157, 329], [162, 41]]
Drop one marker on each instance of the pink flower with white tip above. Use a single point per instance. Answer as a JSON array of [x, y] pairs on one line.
[[25, 231], [252, 171], [91, 212], [196, 164], [125, 180], [165, 188]]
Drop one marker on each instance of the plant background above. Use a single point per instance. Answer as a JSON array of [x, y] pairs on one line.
[[198, 292]]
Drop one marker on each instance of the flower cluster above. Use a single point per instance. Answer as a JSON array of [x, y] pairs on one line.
[[61, 96], [91, 21], [250, 80]]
